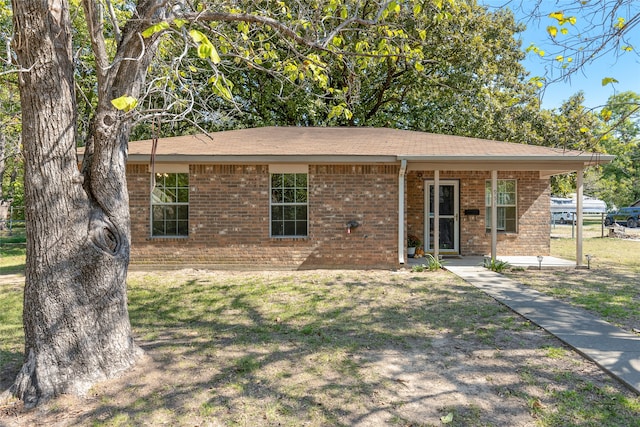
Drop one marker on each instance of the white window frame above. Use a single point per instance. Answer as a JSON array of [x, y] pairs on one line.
[[177, 204], [505, 204], [277, 199]]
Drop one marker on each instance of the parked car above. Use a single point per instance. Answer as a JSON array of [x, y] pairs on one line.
[[629, 216], [563, 217]]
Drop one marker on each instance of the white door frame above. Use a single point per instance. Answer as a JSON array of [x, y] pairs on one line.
[[456, 215]]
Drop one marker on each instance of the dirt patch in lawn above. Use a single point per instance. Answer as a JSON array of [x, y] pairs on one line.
[[365, 348]]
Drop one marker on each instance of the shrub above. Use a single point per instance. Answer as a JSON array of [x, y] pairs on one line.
[[496, 265]]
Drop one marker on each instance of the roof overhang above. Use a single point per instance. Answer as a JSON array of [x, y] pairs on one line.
[[546, 165], [263, 159]]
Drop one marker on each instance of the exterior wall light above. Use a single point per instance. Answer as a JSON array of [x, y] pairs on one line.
[[352, 224]]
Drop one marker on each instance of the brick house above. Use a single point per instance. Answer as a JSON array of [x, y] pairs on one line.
[[291, 197]]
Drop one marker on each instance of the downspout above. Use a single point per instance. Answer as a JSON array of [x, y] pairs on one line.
[[401, 191]]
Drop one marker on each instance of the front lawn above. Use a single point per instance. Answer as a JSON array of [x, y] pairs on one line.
[[329, 348], [609, 289]]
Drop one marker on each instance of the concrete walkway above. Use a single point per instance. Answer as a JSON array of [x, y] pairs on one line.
[[614, 350]]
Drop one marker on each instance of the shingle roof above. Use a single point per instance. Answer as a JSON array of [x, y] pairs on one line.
[[357, 143]]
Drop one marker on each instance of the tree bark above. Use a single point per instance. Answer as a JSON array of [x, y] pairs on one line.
[[76, 322]]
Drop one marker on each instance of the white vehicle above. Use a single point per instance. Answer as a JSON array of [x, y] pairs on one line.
[[563, 210], [563, 217]]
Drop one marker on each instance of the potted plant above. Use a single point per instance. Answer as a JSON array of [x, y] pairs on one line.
[[412, 243]]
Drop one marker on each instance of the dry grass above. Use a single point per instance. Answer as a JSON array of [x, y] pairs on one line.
[[609, 289], [328, 348]]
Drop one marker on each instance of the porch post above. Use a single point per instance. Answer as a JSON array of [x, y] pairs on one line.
[[579, 209], [494, 215], [436, 214], [401, 218]]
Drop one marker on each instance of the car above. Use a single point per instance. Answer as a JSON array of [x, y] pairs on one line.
[[629, 216], [564, 217]]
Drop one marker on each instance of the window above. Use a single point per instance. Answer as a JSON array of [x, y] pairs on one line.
[[506, 204], [289, 205], [170, 205]]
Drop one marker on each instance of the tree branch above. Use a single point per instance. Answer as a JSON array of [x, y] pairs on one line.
[[98, 45], [277, 25]]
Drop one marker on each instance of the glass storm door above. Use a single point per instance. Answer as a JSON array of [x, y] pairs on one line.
[[449, 217]]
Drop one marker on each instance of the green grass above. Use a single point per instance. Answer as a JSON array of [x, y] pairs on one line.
[[605, 252], [11, 333], [578, 407], [299, 348], [12, 252], [609, 289]]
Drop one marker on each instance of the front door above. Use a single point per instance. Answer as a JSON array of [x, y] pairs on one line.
[[449, 217]]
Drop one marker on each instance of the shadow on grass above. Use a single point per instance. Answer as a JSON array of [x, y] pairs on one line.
[[356, 348], [10, 362]]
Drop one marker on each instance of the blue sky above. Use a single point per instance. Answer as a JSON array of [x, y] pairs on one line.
[[625, 68]]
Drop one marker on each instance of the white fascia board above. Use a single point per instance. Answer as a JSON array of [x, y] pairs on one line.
[[582, 158], [323, 159]]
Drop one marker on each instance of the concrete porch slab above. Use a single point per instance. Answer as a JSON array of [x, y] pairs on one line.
[[515, 261]]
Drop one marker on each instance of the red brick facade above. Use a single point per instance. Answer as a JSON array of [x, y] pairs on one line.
[[229, 224], [229, 219]]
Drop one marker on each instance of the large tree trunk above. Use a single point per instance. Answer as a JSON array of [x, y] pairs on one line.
[[4, 206], [75, 317]]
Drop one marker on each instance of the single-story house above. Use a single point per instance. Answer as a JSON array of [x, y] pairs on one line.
[[298, 197]]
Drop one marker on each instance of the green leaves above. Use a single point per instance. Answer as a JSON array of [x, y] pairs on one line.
[[340, 110], [552, 30], [559, 16], [206, 50], [125, 103], [161, 26], [393, 7], [533, 48], [156, 28], [222, 87]]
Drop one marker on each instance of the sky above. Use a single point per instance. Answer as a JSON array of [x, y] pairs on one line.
[[625, 68]]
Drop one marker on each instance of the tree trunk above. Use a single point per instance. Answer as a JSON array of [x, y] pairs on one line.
[[3, 143], [4, 206], [75, 317]]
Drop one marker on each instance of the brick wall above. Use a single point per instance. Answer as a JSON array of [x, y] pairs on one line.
[[533, 195], [229, 219]]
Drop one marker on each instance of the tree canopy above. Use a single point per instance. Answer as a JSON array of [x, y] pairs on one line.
[[620, 182]]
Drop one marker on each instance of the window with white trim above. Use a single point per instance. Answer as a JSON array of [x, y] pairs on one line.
[[289, 205], [506, 204], [170, 205]]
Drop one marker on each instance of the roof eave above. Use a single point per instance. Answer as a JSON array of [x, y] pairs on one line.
[[256, 159], [586, 158]]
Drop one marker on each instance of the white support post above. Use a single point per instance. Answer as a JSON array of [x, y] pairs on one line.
[[401, 190], [579, 215]]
